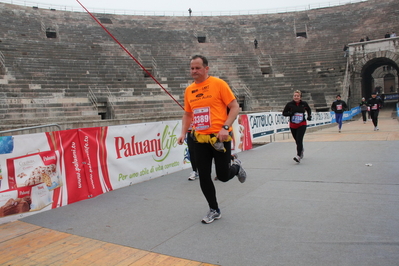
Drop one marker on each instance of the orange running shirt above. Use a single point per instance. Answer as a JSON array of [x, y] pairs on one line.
[[208, 101]]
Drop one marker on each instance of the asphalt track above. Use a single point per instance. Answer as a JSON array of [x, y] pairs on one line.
[[339, 206]]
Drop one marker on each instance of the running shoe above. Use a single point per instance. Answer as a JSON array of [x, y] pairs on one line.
[[242, 175], [193, 176], [211, 216], [297, 159]]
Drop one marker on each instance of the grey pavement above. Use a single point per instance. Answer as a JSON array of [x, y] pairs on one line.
[[331, 209]]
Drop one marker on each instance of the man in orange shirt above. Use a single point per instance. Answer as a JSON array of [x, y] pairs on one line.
[[212, 107]]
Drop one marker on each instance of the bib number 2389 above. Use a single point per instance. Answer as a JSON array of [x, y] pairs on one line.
[[202, 119]]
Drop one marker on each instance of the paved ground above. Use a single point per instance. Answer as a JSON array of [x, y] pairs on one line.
[[331, 209]]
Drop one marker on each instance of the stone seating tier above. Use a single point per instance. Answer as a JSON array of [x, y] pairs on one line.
[[83, 57]]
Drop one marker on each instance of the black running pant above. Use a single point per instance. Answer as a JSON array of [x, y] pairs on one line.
[[374, 117], [364, 115], [298, 134], [190, 144], [204, 154]]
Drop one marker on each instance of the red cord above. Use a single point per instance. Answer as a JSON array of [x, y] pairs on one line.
[[112, 36]]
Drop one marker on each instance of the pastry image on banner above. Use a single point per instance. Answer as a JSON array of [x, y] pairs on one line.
[[34, 169], [41, 197], [15, 202]]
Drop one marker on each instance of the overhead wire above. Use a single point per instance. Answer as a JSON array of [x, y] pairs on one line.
[[127, 51]]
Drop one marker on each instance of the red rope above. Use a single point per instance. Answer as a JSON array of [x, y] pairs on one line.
[[123, 47]]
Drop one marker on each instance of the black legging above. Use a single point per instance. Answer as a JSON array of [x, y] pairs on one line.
[[190, 144], [298, 134], [374, 117], [204, 153], [364, 115]]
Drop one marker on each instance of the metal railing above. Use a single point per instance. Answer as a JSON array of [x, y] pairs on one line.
[[77, 8], [29, 128], [345, 84], [92, 98]]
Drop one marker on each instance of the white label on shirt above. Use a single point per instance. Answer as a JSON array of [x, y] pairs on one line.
[[202, 118], [297, 118]]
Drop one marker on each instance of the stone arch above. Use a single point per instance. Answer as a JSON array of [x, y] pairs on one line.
[[365, 67]]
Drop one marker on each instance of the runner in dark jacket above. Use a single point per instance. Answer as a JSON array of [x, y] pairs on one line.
[[339, 106], [296, 110], [375, 106]]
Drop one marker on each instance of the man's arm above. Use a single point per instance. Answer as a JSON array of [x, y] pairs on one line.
[[234, 108], [186, 121]]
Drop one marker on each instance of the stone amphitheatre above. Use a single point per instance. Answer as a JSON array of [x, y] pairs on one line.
[[61, 67]]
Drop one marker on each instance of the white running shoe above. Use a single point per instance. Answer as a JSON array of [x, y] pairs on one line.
[[193, 176], [297, 159], [211, 216]]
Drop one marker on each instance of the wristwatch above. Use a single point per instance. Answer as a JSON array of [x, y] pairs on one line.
[[226, 127]]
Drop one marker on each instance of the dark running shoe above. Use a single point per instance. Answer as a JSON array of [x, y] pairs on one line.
[[242, 175]]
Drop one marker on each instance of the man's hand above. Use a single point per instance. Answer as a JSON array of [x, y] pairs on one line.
[[223, 135], [180, 140]]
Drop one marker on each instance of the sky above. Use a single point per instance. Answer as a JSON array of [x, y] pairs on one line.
[[183, 5]]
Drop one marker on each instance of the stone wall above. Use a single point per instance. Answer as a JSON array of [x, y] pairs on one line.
[[48, 80]]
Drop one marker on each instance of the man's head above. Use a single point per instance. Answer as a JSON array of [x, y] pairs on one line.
[[374, 94], [199, 68], [338, 97]]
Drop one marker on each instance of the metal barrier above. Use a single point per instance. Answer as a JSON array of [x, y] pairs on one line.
[[28, 128], [76, 8]]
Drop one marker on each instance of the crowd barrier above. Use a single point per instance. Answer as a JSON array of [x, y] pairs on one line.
[[43, 171]]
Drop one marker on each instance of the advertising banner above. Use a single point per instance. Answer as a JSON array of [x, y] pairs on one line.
[[139, 152], [62, 167], [30, 175], [43, 171]]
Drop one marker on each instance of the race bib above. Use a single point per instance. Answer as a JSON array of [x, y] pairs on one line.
[[374, 107], [339, 107], [297, 118], [202, 118]]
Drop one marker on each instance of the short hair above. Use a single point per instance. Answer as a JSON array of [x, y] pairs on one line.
[[298, 91], [338, 96], [204, 60]]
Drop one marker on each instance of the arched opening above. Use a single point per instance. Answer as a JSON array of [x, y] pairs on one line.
[[378, 75]]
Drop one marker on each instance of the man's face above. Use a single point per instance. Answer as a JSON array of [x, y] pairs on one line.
[[373, 95], [338, 98], [197, 70]]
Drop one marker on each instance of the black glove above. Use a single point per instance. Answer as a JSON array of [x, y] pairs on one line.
[[309, 118]]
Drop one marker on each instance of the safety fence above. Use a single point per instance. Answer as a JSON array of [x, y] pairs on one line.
[[43, 171]]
